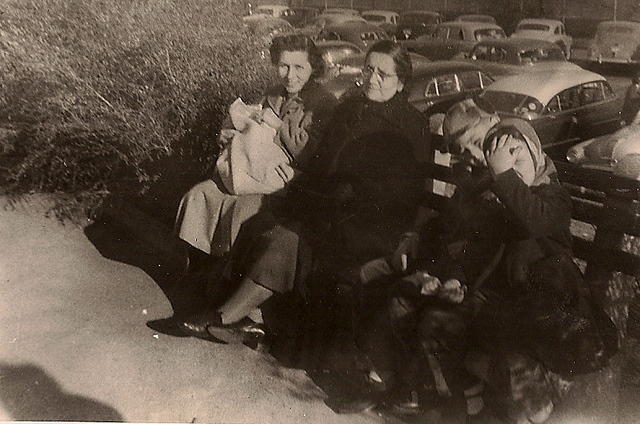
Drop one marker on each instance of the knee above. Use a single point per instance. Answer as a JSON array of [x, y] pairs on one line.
[[444, 328]]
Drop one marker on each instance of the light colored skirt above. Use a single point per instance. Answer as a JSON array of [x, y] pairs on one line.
[[209, 218]]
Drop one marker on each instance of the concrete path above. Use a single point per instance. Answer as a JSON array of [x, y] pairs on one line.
[[75, 345]]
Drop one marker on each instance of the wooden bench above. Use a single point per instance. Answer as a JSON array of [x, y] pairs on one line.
[[606, 235]]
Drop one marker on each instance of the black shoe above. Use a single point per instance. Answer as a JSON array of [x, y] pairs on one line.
[[236, 332], [196, 325]]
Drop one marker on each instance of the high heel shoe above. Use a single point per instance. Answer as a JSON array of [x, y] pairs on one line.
[[207, 324]]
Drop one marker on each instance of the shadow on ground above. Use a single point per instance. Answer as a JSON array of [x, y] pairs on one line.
[[28, 393]]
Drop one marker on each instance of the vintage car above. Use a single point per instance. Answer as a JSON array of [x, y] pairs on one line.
[[341, 11], [564, 107], [547, 30], [266, 26], [302, 15], [487, 19], [317, 24], [616, 42], [453, 38], [273, 10], [385, 19], [513, 56], [361, 34], [618, 152], [415, 23]]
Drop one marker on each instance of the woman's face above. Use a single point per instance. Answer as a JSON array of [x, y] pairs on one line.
[[294, 70], [380, 80]]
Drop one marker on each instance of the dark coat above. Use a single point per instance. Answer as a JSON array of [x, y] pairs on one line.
[[368, 169]]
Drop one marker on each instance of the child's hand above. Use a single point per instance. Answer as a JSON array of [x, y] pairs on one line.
[[426, 283], [452, 291]]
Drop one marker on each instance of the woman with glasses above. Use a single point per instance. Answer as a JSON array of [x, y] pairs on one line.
[[358, 197]]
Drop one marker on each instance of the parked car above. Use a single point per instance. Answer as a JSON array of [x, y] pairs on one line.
[[487, 19], [266, 26], [547, 30], [317, 24], [273, 10], [453, 38], [616, 42], [303, 15], [361, 34], [415, 23], [618, 152], [385, 19], [341, 11], [518, 56], [564, 107]]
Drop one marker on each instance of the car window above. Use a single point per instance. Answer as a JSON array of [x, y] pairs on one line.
[[469, 80], [541, 54], [485, 80], [328, 36], [370, 36], [447, 84], [554, 105], [533, 27], [431, 90], [608, 91], [374, 18], [510, 103], [456, 35], [591, 92], [557, 31], [442, 32], [483, 34], [570, 98], [497, 55], [562, 31]]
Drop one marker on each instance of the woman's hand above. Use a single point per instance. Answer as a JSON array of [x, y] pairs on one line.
[[406, 251], [293, 132], [428, 284], [225, 137], [502, 154]]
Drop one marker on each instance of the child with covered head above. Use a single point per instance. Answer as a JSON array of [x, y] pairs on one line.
[[493, 266]]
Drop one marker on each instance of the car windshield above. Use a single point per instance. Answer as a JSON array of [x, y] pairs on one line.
[[334, 55], [264, 11], [374, 18], [533, 27], [509, 103], [541, 54], [483, 34], [418, 19], [476, 18]]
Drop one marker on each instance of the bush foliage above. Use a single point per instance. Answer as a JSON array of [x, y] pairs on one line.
[[95, 95]]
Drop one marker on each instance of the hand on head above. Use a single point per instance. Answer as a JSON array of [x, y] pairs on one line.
[[502, 153]]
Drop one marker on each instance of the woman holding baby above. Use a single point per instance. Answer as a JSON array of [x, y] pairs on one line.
[[359, 194]]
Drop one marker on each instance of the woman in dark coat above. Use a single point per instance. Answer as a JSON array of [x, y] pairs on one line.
[[359, 196], [499, 280]]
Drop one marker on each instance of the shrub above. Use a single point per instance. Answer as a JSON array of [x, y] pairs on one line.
[[98, 96]]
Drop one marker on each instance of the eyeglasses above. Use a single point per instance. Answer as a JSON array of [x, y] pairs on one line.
[[368, 71]]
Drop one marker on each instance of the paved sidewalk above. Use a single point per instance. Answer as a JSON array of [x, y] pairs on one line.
[[76, 347]]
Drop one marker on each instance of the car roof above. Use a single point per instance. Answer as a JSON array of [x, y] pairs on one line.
[[470, 25], [344, 10], [629, 24], [475, 15], [550, 22], [379, 12], [272, 6], [442, 66], [420, 12], [353, 26], [516, 43], [335, 18], [544, 85], [336, 43]]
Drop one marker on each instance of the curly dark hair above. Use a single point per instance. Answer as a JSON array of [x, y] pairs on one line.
[[298, 43], [400, 57]]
